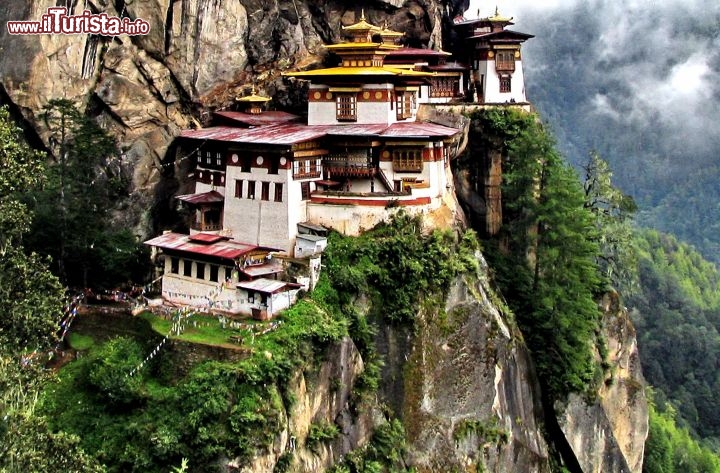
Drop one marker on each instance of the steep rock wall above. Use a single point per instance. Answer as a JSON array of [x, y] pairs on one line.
[[608, 434], [465, 387], [198, 56]]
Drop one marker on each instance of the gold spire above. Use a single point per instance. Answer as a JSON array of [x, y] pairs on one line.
[[498, 18]]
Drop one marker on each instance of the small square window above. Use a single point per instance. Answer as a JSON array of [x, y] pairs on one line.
[[346, 107]]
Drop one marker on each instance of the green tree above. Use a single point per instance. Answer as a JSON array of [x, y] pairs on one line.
[[74, 211], [30, 309], [613, 213], [545, 257]]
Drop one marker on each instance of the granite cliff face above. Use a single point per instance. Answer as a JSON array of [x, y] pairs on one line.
[[198, 56], [463, 382], [608, 433]]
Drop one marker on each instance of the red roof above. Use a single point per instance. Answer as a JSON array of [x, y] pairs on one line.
[[416, 52], [207, 237], [224, 249], [418, 130], [504, 35], [291, 133], [264, 118], [279, 134], [211, 197]]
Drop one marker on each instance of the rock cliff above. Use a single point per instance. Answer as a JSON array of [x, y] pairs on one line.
[[608, 433], [198, 56], [463, 383]]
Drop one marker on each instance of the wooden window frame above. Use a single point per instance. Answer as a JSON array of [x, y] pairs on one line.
[[238, 188], [251, 190], [200, 272], [404, 105], [264, 190], [505, 61], [187, 268], [505, 84], [408, 160], [346, 107], [278, 191]]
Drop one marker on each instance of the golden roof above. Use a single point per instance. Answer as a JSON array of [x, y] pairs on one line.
[[364, 26], [359, 71], [253, 97], [361, 25], [498, 18], [366, 46]]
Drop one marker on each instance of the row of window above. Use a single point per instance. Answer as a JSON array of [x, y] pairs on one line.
[[346, 106], [264, 190], [213, 270]]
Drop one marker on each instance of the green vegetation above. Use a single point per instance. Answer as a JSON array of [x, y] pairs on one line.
[[384, 453], [670, 449], [677, 316], [320, 433], [545, 258], [147, 421], [80, 342], [30, 310], [150, 421], [486, 431], [82, 185]]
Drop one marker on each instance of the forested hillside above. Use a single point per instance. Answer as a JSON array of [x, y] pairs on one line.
[[635, 82], [677, 315]]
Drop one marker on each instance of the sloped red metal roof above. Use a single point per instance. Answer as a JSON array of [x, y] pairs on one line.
[[225, 249], [418, 130], [279, 134], [207, 237], [290, 133], [211, 197]]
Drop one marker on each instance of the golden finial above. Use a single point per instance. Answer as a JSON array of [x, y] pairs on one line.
[[497, 11], [362, 15]]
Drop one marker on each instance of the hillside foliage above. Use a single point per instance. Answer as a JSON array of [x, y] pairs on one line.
[[235, 409], [546, 256], [30, 311], [677, 315]]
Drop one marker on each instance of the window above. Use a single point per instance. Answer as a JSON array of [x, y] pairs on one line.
[[228, 273], [305, 190], [218, 159], [251, 190], [407, 160], [214, 273], [265, 191], [505, 82], [278, 191], [238, 188], [505, 61], [307, 168], [273, 165], [405, 103], [174, 265], [187, 268], [245, 164], [200, 271], [345, 107]]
